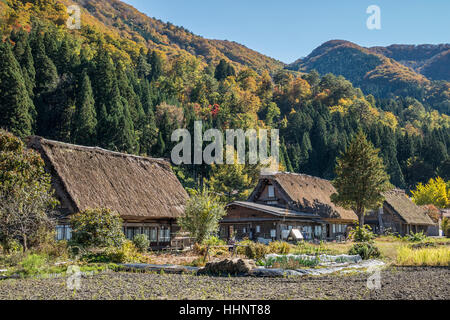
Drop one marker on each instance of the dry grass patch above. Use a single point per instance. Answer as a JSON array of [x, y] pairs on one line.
[[423, 257]]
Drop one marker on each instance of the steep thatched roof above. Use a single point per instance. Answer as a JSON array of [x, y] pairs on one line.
[[87, 177], [398, 201], [276, 211], [311, 194]]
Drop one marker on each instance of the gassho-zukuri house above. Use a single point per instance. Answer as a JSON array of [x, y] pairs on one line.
[[283, 202], [401, 215], [144, 191]]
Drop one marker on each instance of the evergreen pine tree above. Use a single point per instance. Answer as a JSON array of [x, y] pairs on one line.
[[46, 73], [143, 68], [360, 177], [104, 80], [156, 65], [85, 121], [28, 70], [15, 103]]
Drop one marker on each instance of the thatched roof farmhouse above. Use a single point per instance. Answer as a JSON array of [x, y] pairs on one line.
[[144, 191], [283, 201], [399, 214], [307, 194]]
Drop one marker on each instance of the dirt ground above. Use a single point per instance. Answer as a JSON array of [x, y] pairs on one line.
[[396, 283]]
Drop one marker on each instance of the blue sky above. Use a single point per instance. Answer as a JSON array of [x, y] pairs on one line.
[[290, 29]]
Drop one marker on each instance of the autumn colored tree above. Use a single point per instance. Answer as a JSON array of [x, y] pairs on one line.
[[26, 197], [435, 192], [233, 181]]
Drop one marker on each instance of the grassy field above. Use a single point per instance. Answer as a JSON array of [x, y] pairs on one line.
[[394, 251]]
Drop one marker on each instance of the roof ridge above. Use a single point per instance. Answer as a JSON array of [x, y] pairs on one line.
[[299, 174], [88, 148]]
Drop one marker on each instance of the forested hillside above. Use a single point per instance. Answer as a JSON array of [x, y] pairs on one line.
[[386, 72], [430, 60], [108, 86], [131, 24]]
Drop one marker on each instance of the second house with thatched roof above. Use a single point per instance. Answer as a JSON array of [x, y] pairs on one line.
[[400, 215], [144, 191], [285, 201]]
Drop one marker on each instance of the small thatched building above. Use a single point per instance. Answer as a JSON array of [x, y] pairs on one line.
[[285, 201], [144, 191], [399, 215]]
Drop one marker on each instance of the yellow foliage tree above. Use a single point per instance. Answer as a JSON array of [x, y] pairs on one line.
[[435, 192]]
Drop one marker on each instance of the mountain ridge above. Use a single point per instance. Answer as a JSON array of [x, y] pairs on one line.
[[156, 34]]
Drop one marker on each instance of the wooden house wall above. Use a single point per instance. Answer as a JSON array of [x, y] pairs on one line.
[[132, 227], [245, 222], [392, 221]]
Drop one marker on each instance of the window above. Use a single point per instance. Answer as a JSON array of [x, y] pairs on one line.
[[307, 232], [59, 233], [273, 233], [63, 232], [164, 234], [223, 231], [68, 233], [271, 191], [258, 229], [153, 234], [130, 233], [318, 231]]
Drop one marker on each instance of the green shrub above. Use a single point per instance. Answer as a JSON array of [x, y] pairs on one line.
[[202, 214], [54, 249], [211, 242], [214, 241], [367, 250], [256, 250], [141, 242], [279, 247], [97, 228], [362, 234], [415, 237], [127, 253], [242, 246], [33, 264], [96, 257], [12, 246]]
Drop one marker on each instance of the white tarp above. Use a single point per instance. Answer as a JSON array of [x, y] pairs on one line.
[[324, 258], [362, 266]]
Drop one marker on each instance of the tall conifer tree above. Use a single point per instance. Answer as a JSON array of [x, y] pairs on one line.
[[360, 177], [85, 122], [15, 103]]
